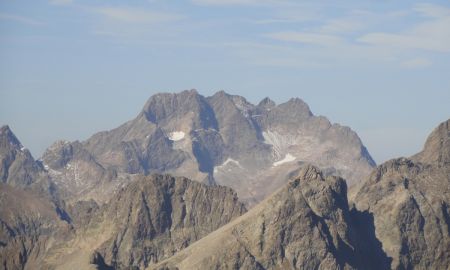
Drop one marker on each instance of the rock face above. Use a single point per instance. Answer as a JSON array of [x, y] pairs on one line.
[[19, 169], [149, 220], [31, 214], [29, 223], [436, 150], [305, 225], [409, 200], [164, 215], [221, 139], [17, 166]]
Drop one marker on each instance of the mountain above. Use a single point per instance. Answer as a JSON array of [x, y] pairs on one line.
[[436, 149], [305, 225], [28, 224], [149, 220], [17, 166], [19, 169], [410, 202], [31, 212], [399, 219], [222, 139]]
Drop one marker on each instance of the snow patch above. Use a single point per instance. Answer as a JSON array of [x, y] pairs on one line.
[[228, 161], [176, 135], [280, 143], [286, 159]]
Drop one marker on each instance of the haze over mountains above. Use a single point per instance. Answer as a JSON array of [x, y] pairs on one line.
[[110, 203], [222, 139]]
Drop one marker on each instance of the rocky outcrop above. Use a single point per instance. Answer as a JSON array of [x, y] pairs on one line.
[[149, 220], [78, 175], [17, 166], [409, 200], [305, 225], [29, 225], [19, 169], [159, 215], [436, 149], [32, 215], [222, 139]]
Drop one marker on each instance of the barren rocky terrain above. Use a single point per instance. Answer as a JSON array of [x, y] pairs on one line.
[[119, 200]]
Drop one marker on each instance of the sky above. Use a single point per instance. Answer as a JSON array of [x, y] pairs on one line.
[[70, 68]]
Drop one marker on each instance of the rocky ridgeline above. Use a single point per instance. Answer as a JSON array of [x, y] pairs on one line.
[[409, 200], [398, 218], [305, 225], [222, 139]]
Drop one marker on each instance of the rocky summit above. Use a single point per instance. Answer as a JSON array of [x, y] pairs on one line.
[[17, 166], [409, 200], [222, 139]]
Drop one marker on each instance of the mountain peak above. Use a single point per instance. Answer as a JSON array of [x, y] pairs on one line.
[[220, 138], [163, 105], [437, 146], [296, 108], [267, 103], [17, 166], [309, 172], [4, 128], [7, 138], [222, 94]]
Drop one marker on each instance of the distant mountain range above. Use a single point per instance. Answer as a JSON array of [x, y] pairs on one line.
[[122, 199], [222, 139]]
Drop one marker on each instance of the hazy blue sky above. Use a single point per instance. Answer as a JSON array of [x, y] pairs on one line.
[[72, 68]]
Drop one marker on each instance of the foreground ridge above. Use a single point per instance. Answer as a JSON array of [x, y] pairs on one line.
[[305, 225], [410, 199]]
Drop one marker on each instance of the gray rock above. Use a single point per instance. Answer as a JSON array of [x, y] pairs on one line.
[[399, 217], [17, 166], [409, 200], [29, 225], [149, 220], [222, 139], [436, 149], [305, 225]]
